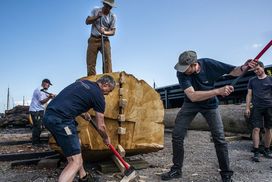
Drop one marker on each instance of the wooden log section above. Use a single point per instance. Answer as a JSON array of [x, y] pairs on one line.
[[232, 117], [141, 117]]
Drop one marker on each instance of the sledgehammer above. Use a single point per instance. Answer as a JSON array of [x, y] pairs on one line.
[[130, 173], [257, 57], [43, 90]]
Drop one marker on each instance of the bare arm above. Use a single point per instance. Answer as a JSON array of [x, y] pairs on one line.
[[101, 127], [108, 32], [237, 71], [251, 63], [44, 101], [248, 101], [196, 96], [91, 19]]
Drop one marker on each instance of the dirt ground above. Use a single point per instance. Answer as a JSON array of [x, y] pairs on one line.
[[200, 163]]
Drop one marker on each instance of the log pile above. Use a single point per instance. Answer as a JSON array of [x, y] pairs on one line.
[[16, 117]]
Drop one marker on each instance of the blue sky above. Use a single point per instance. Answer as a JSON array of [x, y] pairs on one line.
[[48, 39]]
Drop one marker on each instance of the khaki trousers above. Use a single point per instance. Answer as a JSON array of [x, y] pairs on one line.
[[94, 45]]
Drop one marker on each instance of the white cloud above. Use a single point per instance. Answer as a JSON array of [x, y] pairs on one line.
[[255, 46]]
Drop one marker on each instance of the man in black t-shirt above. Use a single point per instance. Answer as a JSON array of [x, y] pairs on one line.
[[260, 93], [197, 78], [74, 100]]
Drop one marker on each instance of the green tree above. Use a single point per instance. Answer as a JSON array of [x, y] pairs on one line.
[[269, 72]]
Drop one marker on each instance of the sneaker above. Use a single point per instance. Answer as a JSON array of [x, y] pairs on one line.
[[256, 157], [173, 173], [89, 178], [227, 179], [267, 154]]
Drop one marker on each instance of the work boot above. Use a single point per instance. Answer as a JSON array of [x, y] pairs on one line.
[[256, 157], [267, 153], [226, 176], [173, 173], [89, 178]]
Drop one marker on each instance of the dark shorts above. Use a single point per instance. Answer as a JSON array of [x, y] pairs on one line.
[[64, 132], [262, 117]]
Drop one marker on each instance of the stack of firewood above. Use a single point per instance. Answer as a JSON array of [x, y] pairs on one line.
[[16, 117]]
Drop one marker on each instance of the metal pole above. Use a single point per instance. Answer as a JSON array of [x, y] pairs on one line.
[[8, 100]]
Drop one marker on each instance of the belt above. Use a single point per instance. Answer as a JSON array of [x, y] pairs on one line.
[[99, 37]]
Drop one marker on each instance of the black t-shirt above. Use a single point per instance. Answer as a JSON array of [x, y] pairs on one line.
[[210, 71], [261, 91], [77, 98]]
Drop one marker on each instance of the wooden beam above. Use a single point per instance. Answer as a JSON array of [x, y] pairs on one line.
[[121, 150], [118, 164], [123, 103], [121, 117], [121, 131]]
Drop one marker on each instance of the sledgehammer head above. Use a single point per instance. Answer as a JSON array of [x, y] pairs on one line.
[[130, 175]]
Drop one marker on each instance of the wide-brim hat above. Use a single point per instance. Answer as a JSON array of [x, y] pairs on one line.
[[109, 2], [185, 60]]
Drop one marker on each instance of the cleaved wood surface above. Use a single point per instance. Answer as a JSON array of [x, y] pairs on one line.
[[140, 115]]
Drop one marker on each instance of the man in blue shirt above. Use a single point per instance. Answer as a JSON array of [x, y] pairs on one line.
[[197, 78], [74, 100], [260, 93]]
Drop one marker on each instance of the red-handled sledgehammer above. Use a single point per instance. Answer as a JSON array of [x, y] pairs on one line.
[[130, 173], [257, 57]]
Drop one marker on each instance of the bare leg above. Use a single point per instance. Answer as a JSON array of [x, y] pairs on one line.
[[82, 172], [256, 137], [75, 163], [267, 137]]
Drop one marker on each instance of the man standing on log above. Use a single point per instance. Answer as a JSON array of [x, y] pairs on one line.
[[197, 78], [260, 87], [74, 100], [103, 25], [36, 109]]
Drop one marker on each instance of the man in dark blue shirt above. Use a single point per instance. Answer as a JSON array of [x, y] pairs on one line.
[[260, 93], [74, 100], [197, 78]]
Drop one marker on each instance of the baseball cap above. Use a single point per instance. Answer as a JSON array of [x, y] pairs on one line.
[[185, 60], [47, 81]]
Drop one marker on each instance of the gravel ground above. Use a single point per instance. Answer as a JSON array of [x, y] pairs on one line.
[[200, 164]]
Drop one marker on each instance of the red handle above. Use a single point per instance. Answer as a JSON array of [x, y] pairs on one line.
[[257, 57], [118, 156], [264, 50], [111, 147]]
